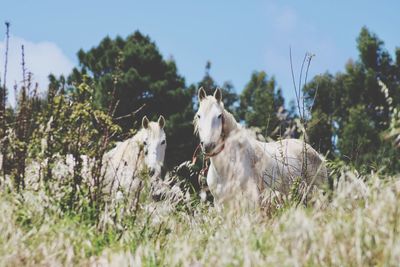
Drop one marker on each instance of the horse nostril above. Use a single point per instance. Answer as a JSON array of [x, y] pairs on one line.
[[152, 172]]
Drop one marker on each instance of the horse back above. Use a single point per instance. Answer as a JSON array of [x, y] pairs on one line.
[[292, 158]]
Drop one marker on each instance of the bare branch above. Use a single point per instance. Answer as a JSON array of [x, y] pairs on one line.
[[131, 114], [294, 81], [6, 54]]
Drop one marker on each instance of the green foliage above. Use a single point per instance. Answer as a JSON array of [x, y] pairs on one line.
[[320, 132], [350, 111], [229, 96], [147, 85], [260, 101], [358, 137], [71, 125]]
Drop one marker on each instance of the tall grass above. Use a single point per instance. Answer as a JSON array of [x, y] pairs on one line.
[[357, 226]]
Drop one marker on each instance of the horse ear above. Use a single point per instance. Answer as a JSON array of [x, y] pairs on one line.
[[201, 94], [161, 121], [218, 94], [145, 122]]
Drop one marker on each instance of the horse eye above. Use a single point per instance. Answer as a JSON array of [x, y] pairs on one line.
[[220, 116], [198, 116], [163, 142], [145, 143]]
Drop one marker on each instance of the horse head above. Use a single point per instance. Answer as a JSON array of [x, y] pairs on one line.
[[154, 144], [209, 121]]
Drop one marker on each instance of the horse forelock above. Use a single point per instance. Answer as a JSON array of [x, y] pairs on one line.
[[130, 148], [155, 131], [206, 105]]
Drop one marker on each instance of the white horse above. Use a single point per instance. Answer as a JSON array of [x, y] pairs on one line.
[[121, 166], [243, 167], [144, 151]]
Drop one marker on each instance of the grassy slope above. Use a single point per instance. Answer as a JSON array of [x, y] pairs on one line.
[[357, 227]]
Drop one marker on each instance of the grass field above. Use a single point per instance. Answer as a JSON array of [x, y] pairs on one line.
[[357, 225]]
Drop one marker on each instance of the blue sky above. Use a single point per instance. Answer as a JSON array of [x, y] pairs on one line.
[[238, 37]]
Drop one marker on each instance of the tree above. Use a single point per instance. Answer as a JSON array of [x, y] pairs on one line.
[[145, 84], [323, 98], [230, 98], [359, 137], [321, 133], [259, 103], [352, 109]]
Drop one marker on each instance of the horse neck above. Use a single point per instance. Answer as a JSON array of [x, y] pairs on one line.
[[230, 126], [230, 123], [137, 146], [128, 150]]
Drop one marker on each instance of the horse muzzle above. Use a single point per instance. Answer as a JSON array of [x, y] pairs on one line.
[[208, 148]]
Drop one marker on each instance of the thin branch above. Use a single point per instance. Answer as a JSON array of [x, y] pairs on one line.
[[3, 101], [131, 114], [23, 66], [309, 58], [6, 54], [313, 101], [300, 79], [294, 81]]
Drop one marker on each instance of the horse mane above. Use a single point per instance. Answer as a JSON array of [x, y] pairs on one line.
[[230, 122], [129, 150], [125, 151]]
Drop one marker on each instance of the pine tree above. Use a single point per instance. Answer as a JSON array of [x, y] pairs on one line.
[[259, 103], [147, 84]]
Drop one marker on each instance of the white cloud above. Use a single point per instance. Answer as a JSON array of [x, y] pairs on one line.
[[41, 59]]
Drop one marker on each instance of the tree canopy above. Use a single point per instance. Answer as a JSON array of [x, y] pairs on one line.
[[351, 112], [260, 101], [145, 84]]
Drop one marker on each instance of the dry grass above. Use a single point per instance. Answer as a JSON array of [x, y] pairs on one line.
[[357, 226]]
